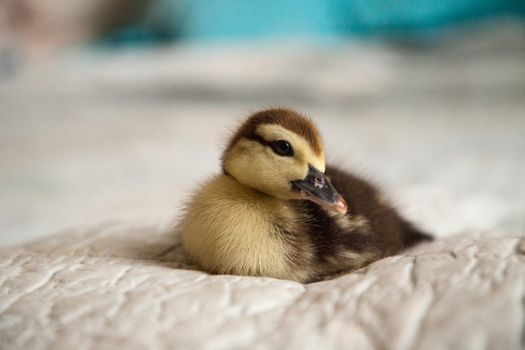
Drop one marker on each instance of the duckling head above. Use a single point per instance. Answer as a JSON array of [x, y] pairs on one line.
[[280, 152]]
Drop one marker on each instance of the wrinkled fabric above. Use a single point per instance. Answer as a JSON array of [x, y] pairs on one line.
[[116, 286]]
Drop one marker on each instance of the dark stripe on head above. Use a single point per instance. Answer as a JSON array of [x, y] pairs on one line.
[[256, 137], [286, 118]]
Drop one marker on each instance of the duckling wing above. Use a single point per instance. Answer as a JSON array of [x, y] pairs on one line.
[[391, 230]]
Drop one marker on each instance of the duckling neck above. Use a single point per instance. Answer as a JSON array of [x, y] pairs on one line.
[[273, 207]]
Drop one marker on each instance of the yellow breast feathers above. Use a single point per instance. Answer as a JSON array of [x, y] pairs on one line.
[[230, 229]]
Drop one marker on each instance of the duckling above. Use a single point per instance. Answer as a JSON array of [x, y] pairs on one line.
[[278, 211]]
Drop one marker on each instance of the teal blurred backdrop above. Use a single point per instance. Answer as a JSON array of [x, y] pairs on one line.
[[205, 20]]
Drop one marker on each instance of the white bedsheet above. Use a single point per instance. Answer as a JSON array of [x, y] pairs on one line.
[[128, 287]]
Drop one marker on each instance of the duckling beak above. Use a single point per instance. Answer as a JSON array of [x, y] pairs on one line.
[[317, 188]]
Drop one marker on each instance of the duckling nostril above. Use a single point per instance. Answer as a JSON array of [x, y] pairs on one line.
[[318, 182]]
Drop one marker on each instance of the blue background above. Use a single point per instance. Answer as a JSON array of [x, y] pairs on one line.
[[212, 20]]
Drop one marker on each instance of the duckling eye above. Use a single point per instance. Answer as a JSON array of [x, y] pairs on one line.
[[282, 148]]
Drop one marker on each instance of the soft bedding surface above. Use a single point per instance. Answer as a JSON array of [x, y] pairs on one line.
[[98, 153], [117, 286]]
